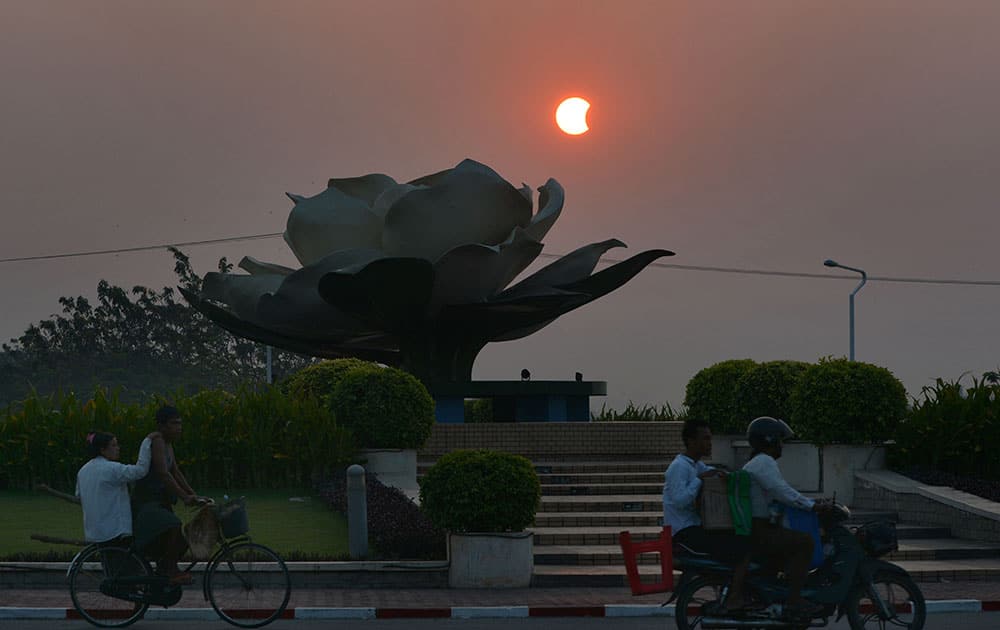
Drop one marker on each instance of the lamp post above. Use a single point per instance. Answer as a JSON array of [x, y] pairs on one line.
[[864, 279]]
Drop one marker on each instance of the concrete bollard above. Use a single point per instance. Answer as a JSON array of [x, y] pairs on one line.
[[357, 512]]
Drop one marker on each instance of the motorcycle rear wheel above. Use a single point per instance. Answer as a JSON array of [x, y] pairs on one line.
[[901, 595]]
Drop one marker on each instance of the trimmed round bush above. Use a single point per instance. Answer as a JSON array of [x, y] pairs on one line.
[[481, 491], [320, 379], [384, 407], [847, 402], [710, 395], [765, 390]]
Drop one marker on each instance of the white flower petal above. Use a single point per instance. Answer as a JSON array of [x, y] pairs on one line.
[[296, 306], [328, 222], [474, 272], [239, 292], [259, 267], [550, 203], [390, 196], [366, 187], [470, 204]]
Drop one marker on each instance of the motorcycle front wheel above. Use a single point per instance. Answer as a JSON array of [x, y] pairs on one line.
[[904, 605]]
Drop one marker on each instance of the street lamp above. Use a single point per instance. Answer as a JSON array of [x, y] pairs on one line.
[[864, 279]]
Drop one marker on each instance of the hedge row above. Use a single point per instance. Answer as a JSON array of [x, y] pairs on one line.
[[256, 437], [834, 400]]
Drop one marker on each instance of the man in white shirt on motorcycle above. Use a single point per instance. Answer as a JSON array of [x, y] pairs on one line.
[[683, 481], [768, 492]]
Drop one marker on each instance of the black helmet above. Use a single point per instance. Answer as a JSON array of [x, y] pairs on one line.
[[767, 431]]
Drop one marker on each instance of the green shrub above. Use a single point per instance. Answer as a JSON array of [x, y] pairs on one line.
[[764, 391], [710, 395], [848, 402], [480, 491], [478, 410], [320, 379], [952, 430], [645, 413], [385, 407]]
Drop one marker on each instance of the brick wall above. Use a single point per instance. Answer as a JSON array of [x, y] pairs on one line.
[[560, 440]]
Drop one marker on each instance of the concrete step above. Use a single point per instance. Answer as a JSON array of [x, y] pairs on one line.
[[622, 520], [603, 503], [593, 535], [583, 467], [594, 489], [555, 575], [604, 477]]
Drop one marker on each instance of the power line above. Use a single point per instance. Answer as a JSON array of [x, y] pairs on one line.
[[144, 248], [604, 259]]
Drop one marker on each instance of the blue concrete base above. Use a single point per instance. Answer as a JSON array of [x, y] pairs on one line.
[[520, 401]]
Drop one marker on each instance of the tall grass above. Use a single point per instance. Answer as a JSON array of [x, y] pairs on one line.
[[953, 429], [256, 437], [645, 413]]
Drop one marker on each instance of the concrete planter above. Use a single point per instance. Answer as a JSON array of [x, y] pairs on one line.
[[504, 560], [826, 470], [393, 467]]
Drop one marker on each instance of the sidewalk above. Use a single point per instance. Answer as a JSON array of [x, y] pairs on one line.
[[986, 592]]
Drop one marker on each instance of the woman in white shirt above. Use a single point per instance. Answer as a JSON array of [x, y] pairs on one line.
[[102, 485]]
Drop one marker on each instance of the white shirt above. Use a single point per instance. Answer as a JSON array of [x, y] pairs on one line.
[[680, 489], [768, 485], [102, 486]]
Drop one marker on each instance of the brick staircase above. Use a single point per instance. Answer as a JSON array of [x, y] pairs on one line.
[[586, 504]]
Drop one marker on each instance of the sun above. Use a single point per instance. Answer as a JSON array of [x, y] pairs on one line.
[[571, 115]]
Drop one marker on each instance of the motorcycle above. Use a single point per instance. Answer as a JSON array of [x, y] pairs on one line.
[[851, 581]]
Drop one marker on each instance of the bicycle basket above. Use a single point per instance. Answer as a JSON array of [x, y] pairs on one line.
[[878, 538], [233, 518]]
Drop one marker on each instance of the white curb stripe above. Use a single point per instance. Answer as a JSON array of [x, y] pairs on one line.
[[457, 612], [954, 605], [489, 612], [182, 614], [334, 613], [638, 610]]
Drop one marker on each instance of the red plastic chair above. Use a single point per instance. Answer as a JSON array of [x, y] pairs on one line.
[[664, 546]]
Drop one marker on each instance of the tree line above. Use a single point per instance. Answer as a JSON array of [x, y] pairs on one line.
[[142, 341]]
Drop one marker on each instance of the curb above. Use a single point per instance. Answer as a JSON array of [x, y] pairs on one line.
[[454, 612]]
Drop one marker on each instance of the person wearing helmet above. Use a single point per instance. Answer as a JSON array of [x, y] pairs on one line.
[[768, 492], [682, 482]]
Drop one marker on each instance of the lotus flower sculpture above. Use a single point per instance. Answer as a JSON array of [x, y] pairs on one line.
[[414, 274]]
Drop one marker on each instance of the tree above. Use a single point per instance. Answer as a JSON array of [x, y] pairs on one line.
[[142, 340]]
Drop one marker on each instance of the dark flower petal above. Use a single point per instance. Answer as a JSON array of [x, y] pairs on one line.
[[390, 293], [381, 349]]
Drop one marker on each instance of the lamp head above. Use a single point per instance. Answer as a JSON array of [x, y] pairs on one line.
[[831, 263]]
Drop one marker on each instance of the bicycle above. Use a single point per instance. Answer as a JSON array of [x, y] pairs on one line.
[[247, 583]]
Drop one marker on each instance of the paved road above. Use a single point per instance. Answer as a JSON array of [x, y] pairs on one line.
[[965, 621]]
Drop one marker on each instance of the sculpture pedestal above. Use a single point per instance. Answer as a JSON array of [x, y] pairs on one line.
[[520, 401]]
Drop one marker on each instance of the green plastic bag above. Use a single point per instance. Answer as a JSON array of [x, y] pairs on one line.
[[739, 501]]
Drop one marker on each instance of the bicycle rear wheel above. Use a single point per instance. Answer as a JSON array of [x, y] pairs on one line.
[[249, 585], [96, 590]]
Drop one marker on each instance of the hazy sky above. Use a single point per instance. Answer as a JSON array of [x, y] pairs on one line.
[[760, 135]]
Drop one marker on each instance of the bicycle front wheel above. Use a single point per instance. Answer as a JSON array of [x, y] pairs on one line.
[[249, 585], [103, 580]]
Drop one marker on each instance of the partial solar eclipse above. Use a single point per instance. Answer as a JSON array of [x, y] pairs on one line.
[[571, 116]]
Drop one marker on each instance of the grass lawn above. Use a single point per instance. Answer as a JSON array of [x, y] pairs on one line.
[[297, 530]]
